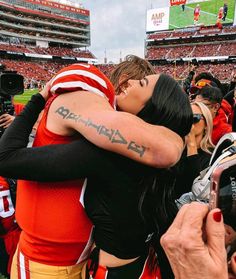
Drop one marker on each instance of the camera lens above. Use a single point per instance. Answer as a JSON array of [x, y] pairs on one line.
[[11, 84]]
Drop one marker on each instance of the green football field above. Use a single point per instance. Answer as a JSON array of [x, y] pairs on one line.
[[209, 12], [24, 98]]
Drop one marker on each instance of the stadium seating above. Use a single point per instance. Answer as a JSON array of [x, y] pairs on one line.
[[200, 50], [58, 51]]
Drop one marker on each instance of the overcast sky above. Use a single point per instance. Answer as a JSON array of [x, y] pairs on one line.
[[117, 27]]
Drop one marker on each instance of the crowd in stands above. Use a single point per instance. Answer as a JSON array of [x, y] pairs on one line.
[[212, 114], [41, 71], [35, 73], [179, 71], [221, 71], [58, 51], [183, 34], [63, 51], [202, 50]]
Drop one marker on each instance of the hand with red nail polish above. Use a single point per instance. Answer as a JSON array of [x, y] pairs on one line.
[[191, 255]]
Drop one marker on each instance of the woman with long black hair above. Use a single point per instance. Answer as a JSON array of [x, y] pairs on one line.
[[126, 201]]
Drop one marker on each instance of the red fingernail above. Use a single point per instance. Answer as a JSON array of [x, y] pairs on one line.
[[217, 216], [235, 258]]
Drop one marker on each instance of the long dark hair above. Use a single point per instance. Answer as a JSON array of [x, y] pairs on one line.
[[169, 106]]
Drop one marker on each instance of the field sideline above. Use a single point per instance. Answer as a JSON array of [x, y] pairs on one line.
[[25, 97]]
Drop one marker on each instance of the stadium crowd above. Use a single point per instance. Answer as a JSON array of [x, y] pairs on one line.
[[202, 50], [58, 51], [183, 34], [203, 114], [111, 171], [44, 70]]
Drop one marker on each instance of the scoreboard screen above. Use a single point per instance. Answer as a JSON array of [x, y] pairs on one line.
[[185, 13]]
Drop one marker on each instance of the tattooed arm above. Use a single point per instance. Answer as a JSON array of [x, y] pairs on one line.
[[119, 132], [56, 162]]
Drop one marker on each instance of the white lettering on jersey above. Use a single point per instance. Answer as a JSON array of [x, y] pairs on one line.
[[6, 206]]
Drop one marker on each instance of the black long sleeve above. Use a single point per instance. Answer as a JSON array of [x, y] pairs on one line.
[[47, 163]]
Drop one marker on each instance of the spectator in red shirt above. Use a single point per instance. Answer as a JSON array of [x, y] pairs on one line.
[[220, 109]]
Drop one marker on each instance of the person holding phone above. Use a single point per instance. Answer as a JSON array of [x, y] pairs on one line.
[[195, 244]]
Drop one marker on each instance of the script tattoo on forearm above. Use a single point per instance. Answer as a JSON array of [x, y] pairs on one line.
[[114, 136]]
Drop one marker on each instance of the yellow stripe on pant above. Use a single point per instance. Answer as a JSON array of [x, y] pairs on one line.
[[23, 268]]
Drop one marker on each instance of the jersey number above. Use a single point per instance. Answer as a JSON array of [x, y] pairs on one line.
[[6, 206]]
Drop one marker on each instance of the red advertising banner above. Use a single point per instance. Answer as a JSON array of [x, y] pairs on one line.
[[60, 6], [177, 2]]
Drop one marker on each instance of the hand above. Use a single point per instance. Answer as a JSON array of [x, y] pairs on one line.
[[193, 68], [191, 142], [190, 138], [6, 120], [233, 77], [230, 235], [189, 254], [45, 92]]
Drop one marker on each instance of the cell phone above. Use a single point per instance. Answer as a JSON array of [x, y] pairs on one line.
[[223, 189], [223, 194]]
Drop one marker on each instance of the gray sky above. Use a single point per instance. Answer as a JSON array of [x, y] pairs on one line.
[[117, 27]]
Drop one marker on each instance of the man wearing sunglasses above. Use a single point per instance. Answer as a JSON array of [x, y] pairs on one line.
[[220, 109]]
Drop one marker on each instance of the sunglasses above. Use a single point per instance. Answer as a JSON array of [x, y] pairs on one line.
[[197, 117]]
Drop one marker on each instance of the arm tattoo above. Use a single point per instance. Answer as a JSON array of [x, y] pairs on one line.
[[114, 136]]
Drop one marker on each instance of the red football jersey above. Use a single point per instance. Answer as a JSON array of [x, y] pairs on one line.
[[55, 226]]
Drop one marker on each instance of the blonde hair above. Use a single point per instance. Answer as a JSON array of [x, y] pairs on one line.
[[206, 142]]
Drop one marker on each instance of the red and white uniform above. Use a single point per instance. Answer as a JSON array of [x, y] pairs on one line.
[[10, 231], [55, 227], [196, 13], [220, 15]]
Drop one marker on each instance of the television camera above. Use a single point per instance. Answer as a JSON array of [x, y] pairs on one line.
[[11, 84]]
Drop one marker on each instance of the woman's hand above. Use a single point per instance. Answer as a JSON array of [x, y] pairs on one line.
[[6, 120], [45, 92], [195, 247], [191, 143]]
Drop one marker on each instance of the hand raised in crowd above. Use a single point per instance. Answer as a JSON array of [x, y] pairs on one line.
[[195, 247], [233, 76], [191, 143], [193, 67], [6, 120]]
